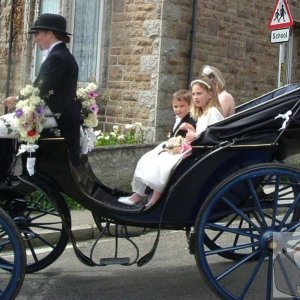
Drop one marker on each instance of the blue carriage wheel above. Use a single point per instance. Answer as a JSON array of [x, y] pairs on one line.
[[244, 226], [34, 211], [12, 258]]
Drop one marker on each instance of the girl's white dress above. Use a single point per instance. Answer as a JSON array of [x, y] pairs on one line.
[[154, 167]]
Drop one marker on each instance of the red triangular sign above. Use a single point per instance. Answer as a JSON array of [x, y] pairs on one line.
[[282, 17]]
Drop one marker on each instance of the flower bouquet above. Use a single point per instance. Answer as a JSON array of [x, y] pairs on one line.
[[173, 144], [29, 115], [87, 96]]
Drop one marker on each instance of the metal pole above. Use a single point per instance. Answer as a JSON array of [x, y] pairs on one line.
[[10, 49], [192, 46], [281, 65]]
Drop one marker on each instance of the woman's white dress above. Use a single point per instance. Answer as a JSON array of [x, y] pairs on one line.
[[154, 167]]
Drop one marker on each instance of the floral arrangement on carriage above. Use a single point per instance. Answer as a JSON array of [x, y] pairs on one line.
[[29, 114], [88, 96]]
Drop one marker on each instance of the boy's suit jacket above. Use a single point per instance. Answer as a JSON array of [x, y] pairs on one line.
[[186, 119], [57, 81]]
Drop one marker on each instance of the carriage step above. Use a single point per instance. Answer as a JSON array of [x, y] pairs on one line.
[[114, 261]]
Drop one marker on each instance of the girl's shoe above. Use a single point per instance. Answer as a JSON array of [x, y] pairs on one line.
[[126, 200]]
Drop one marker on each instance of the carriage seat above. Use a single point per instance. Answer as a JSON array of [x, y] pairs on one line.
[[8, 150]]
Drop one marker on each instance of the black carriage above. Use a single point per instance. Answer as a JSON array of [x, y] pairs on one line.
[[235, 196]]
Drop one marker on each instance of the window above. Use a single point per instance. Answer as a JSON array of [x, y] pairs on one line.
[[47, 6], [86, 38]]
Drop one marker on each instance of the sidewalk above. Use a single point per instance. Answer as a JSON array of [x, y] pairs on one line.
[[83, 225]]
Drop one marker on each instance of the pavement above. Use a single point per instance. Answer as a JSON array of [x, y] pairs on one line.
[[83, 225]]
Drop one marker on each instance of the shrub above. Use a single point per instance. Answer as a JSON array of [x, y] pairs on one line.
[[129, 134]]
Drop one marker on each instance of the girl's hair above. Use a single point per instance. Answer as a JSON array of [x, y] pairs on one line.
[[215, 76], [205, 83], [183, 95], [62, 37]]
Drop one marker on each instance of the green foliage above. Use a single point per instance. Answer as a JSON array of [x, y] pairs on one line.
[[130, 134], [73, 204]]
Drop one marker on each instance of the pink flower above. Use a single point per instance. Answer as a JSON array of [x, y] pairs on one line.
[[92, 94], [94, 108]]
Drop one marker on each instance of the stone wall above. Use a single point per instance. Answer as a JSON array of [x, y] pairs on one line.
[[115, 165], [234, 36], [145, 55]]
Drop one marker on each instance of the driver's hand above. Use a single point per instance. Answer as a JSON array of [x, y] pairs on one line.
[[10, 102]]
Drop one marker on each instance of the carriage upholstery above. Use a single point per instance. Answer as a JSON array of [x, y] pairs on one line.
[[257, 121], [7, 157]]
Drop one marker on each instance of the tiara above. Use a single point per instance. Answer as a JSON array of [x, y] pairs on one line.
[[207, 70], [200, 81]]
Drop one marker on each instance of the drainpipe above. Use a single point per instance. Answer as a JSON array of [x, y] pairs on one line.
[[192, 46], [10, 49]]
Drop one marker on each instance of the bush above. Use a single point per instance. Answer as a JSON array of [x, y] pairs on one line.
[[130, 134]]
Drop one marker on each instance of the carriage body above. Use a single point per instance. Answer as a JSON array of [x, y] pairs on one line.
[[250, 137], [229, 174]]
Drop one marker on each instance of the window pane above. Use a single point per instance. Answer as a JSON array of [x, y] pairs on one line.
[[50, 6], [47, 6], [85, 38]]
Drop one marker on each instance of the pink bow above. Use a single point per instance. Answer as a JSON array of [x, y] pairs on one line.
[[185, 147]]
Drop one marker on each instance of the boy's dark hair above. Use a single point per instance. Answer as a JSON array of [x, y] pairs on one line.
[[183, 95]]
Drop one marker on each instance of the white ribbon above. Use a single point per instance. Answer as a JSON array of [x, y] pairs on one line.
[[27, 148], [88, 140], [30, 163], [286, 118]]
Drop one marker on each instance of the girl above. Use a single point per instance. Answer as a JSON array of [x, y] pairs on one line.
[[154, 168], [226, 100]]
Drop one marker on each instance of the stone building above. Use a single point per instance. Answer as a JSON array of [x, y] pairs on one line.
[[142, 51]]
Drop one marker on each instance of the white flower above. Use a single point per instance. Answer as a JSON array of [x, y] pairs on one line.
[[29, 115], [174, 142], [129, 126], [138, 124], [121, 137]]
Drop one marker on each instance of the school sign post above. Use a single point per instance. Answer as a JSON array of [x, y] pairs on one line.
[[280, 26]]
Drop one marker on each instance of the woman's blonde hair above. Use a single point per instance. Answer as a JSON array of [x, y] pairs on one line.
[[204, 82], [215, 76]]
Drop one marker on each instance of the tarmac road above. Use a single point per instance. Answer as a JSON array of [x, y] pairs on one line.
[[172, 274]]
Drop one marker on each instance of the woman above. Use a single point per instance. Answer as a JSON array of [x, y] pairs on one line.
[[226, 100], [154, 168], [57, 83]]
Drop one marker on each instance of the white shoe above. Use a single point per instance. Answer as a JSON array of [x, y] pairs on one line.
[[126, 200]]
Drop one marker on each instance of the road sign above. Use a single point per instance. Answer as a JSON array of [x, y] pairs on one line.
[[282, 17], [280, 35]]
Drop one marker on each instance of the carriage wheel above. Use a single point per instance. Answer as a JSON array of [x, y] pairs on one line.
[[253, 218], [41, 226], [12, 258]]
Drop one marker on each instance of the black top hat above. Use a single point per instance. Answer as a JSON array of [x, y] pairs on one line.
[[51, 22]]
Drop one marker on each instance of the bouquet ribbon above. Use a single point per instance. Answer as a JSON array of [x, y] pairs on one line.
[[30, 148], [88, 140]]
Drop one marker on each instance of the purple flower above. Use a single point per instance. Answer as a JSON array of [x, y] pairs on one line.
[[40, 109], [19, 112], [94, 108], [92, 94]]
